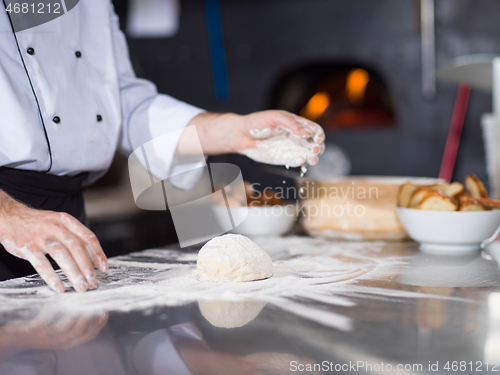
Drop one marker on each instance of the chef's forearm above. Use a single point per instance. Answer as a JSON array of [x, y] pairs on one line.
[[217, 132], [6, 202], [8, 207]]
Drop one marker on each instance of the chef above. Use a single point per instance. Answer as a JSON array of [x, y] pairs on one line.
[[69, 99]]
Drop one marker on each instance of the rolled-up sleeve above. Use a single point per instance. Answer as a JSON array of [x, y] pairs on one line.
[[148, 115]]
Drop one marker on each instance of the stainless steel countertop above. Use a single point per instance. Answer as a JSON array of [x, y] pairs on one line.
[[330, 307]]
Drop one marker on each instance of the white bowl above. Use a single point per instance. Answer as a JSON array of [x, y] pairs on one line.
[[262, 220], [450, 232]]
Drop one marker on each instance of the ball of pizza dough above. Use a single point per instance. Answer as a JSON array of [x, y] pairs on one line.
[[233, 257]]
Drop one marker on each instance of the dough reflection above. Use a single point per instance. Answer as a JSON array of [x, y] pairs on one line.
[[228, 314]]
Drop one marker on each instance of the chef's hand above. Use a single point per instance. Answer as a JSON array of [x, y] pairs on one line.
[[30, 234], [272, 137]]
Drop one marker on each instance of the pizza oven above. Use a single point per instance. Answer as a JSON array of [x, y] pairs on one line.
[[336, 96]]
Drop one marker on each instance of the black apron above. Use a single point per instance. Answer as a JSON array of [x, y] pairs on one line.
[[41, 191]]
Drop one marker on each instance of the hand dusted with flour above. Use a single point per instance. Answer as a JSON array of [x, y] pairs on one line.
[[30, 234], [286, 145], [272, 137], [233, 257], [284, 149]]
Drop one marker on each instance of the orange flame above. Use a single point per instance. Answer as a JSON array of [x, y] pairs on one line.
[[356, 85], [316, 106]]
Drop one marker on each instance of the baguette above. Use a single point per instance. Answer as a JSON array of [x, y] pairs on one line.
[[441, 187], [405, 192], [418, 196], [470, 204], [475, 186], [488, 202], [454, 190], [437, 201]]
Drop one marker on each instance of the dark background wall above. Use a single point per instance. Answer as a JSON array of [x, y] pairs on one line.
[[266, 38]]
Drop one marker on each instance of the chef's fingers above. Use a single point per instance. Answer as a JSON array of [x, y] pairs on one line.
[[314, 152], [42, 265], [91, 243], [78, 251], [321, 149], [288, 121], [65, 260], [316, 149], [296, 161], [312, 160], [96, 253], [317, 133]]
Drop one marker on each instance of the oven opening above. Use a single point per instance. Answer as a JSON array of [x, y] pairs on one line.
[[336, 96]]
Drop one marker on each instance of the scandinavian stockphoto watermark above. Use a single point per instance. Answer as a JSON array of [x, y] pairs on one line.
[[315, 201], [210, 199], [308, 190], [26, 14], [187, 186]]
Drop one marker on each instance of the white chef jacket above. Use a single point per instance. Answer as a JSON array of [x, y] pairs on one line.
[[69, 96]]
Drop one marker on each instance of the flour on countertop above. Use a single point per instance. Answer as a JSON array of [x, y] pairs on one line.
[[307, 272]]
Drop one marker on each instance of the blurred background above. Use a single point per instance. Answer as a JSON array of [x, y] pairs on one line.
[[363, 69]]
